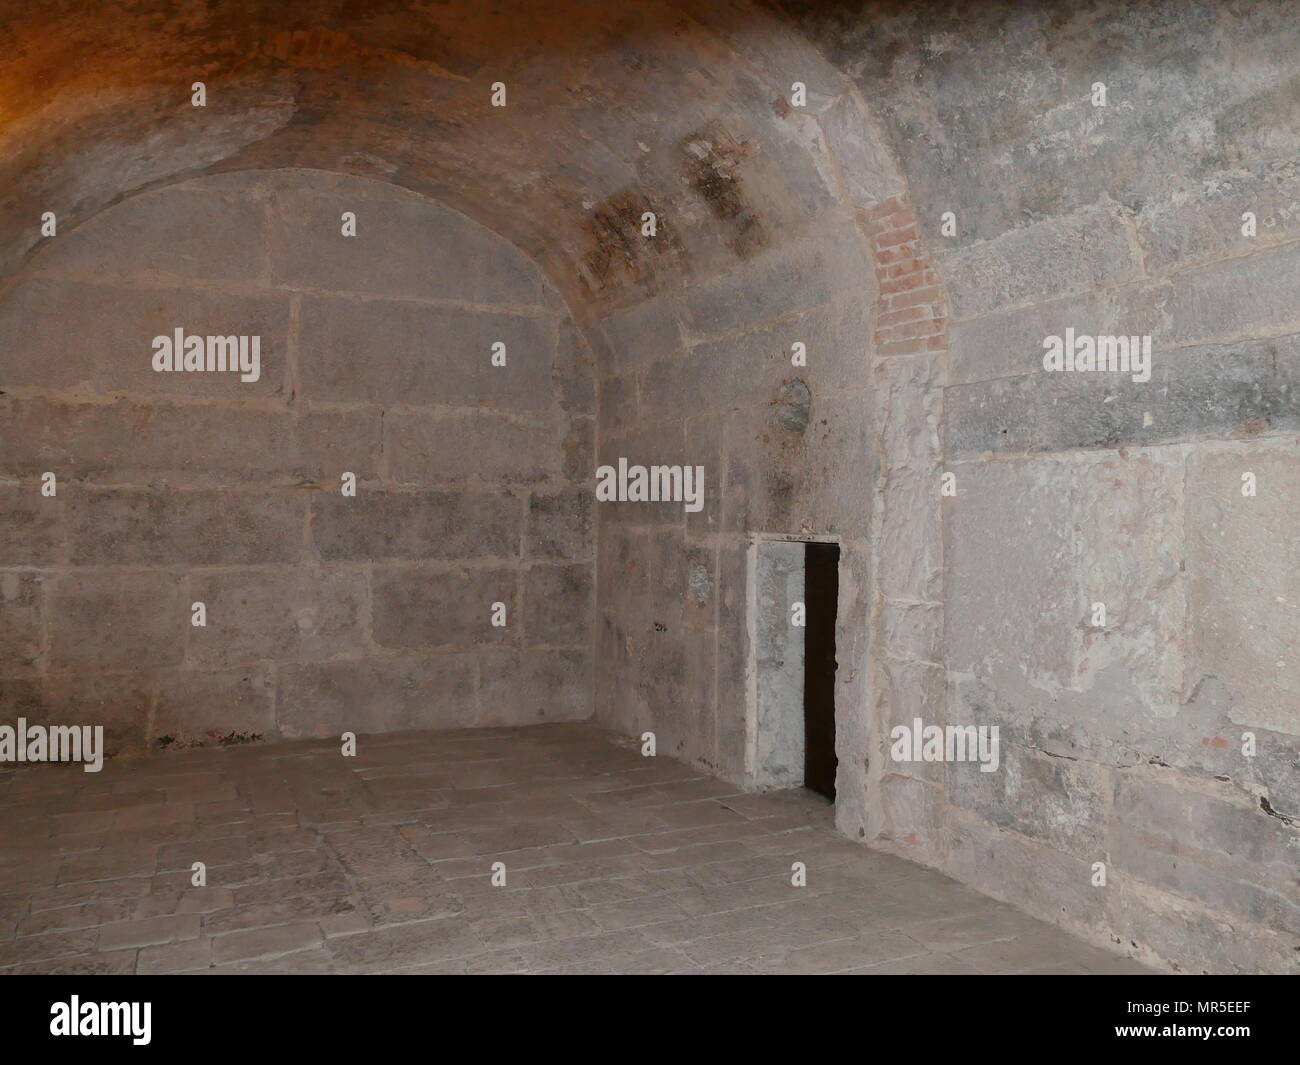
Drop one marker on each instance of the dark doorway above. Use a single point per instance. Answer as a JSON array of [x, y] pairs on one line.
[[821, 594]]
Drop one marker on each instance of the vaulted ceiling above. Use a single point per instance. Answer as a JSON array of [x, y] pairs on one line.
[[679, 107]]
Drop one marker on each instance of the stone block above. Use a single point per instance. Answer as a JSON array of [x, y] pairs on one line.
[[1026, 873], [188, 232], [778, 729], [125, 442], [814, 475], [1207, 225], [575, 371], [653, 443], [139, 526], [412, 354], [618, 404], [1010, 596], [151, 931], [419, 607], [1225, 301], [913, 630], [1059, 802], [380, 525], [469, 446], [908, 408], [527, 686], [406, 944], [330, 443], [1060, 256], [786, 278], [32, 526], [914, 811], [748, 369], [200, 708], [369, 695], [1009, 343], [120, 702], [61, 334], [1243, 564], [911, 550], [867, 172], [288, 614], [1195, 939], [560, 525], [648, 331], [22, 636], [403, 247], [1220, 391], [578, 451], [913, 690], [117, 620], [1129, 526], [558, 603], [1229, 855]]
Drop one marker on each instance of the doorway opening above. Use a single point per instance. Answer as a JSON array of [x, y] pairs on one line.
[[821, 594], [793, 603]]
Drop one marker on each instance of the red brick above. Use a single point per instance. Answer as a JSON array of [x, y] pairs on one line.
[[929, 327], [908, 282], [884, 209], [899, 253], [913, 347], [889, 223], [905, 235], [915, 313], [929, 294], [904, 268]]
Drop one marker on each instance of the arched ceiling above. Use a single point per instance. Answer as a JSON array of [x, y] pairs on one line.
[[672, 106]]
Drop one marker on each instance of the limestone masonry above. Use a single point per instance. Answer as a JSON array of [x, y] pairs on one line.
[[381, 369]]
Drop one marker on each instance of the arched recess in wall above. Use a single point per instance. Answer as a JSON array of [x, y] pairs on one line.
[[679, 108], [321, 451], [776, 224]]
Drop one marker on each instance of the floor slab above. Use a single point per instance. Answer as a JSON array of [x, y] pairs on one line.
[[385, 863]]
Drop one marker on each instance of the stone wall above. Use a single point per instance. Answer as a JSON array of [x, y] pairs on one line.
[[703, 374], [784, 450], [1125, 740], [1122, 739], [324, 612]]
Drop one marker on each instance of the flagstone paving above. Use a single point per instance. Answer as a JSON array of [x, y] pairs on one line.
[[385, 862]]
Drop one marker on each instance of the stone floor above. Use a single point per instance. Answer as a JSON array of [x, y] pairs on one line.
[[381, 863]]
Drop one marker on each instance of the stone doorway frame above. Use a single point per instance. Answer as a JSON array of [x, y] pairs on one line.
[[764, 678]]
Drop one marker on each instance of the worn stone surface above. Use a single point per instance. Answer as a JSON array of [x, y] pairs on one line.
[[200, 707], [432, 355], [106, 620], [1243, 597], [22, 640], [776, 224], [1219, 392], [375, 695], [1008, 548], [175, 489], [614, 865], [778, 758], [417, 607], [1077, 252]]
